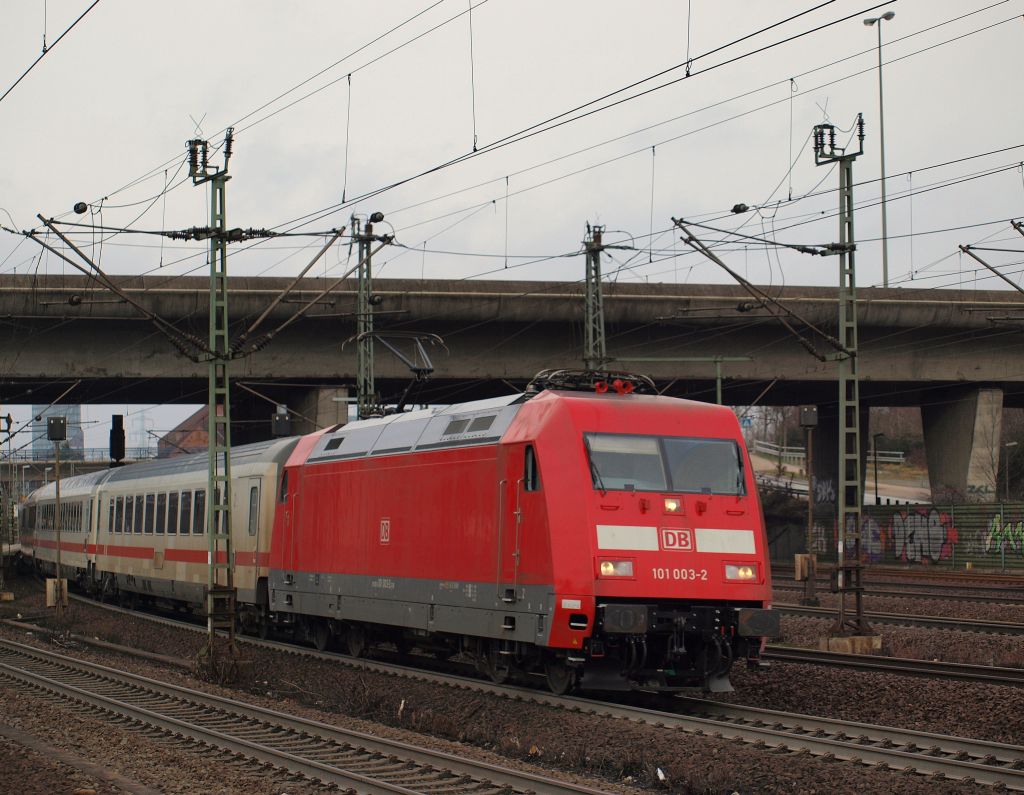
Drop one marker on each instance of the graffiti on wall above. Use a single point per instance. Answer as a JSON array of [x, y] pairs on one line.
[[922, 535], [926, 535], [1004, 536], [960, 534]]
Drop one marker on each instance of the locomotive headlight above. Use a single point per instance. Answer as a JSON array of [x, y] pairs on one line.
[[743, 573], [616, 568], [673, 505]]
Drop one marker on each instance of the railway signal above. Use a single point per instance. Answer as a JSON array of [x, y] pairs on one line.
[[57, 588]]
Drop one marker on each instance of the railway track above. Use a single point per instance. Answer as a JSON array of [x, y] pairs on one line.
[[952, 578], [924, 753], [905, 750], [995, 595], [931, 622], [986, 674], [317, 751]]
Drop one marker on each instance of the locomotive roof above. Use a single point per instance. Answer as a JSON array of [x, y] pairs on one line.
[[458, 425], [465, 424]]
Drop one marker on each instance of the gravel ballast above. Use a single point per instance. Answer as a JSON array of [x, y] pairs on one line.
[[611, 754]]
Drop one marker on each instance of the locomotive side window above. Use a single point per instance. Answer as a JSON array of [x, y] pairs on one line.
[[455, 426], [531, 472], [172, 512], [254, 509], [282, 495], [185, 512], [481, 423]]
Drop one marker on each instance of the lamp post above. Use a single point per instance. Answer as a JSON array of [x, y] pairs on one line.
[[46, 473], [874, 454], [1006, 468], [23, 468], [888, 15]]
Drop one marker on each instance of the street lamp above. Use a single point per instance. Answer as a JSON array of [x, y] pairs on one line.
[[888, 15], [874, 454], [1006, 470]]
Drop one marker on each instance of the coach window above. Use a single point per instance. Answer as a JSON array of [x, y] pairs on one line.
[[150, 512], [254, 509], [185, 512], [118, 502], [129, 513], [199, 513], [531, 472], [161, 513], [139, 513], [172, 512]]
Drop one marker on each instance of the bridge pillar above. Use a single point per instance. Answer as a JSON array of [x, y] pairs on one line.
[[318, 408], [825, 446], [961, 439]]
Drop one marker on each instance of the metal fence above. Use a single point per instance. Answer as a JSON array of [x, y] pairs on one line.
[[960, 536], [796, 455]]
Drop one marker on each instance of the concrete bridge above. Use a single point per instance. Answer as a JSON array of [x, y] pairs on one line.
[[957, 354]]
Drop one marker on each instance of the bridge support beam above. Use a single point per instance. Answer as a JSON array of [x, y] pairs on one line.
[[961, 439], [320, 407], [825, 456]]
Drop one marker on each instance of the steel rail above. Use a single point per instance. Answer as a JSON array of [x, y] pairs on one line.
[[183, 701], [953, 578], [997, 595], [987, 674], [933, 622]]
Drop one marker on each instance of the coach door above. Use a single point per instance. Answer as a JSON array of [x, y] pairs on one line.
[[255, 538]]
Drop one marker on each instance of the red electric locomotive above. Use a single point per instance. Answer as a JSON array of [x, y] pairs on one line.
[[600, 536]]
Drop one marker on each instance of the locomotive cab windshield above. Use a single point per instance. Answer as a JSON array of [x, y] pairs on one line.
[[622, 462]]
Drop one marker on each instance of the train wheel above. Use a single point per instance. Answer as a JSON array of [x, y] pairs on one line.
[[561, 678], [495, 665], [355, 640], [321, 635]]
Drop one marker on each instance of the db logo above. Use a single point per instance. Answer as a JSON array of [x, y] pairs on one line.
[[385, 531], [676, 540]]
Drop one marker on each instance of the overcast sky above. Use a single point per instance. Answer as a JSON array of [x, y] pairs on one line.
[[103, 118]]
